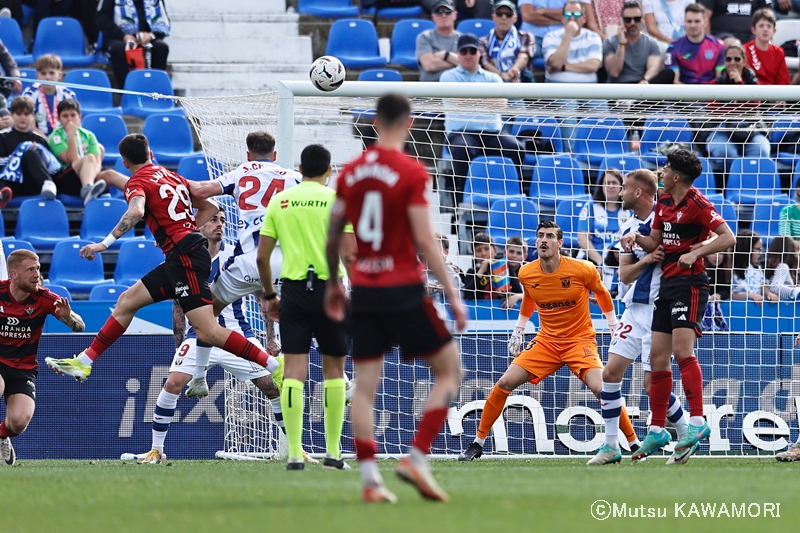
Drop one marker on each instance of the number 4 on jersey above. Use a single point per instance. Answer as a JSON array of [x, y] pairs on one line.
[[370, 223]]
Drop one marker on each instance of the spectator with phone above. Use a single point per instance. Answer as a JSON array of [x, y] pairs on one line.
[[631, 56]]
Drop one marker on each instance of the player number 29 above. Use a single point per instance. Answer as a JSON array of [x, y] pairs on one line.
[[370, 223], [179, 194]]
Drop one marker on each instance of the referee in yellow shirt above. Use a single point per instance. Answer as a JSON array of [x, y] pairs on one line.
[[298, 218]]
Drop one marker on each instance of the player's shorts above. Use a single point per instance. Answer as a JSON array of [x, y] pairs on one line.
[[18, 381], [68, 182], [383, 317], [186, 359], [303, 316], [545, 357], [184, 275], [633, 336], [681, 306], [239, 276]]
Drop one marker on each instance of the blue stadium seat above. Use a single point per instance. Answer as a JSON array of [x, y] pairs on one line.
[[623, 163], [332, 9], [478, 27], [43, 223], [10, 244], [659, 130], [58, 289], [780, 128], [197, 168], [706, 183], [119, 166], [78, 275], [107, 293], [751, 178], [28, 76], [136, 258], [490, 179], [594, 139], [63, 37], [511, 217], [11, 36], [766, 215], [545, 128], [92, 101], [148, 81], [404, 41], [100, 217], [380, 74], [556, 178], [567, 213], [395, 12], [726, 209], [355, 43], [109, 130], [2, 226], [170, 138]]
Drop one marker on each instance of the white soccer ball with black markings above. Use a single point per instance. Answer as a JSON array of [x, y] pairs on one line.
[[327, 73]]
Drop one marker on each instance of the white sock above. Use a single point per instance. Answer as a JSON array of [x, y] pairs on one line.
[[480, 440], [417, 458], [84, 359], [656, 429], [369, 472], [697, 420], [611, 407], [677, 416], [162, 417], [202, 356], [276, 410]]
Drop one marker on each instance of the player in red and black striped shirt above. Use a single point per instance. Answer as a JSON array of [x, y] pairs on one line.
[[683, 220], [24, 307]]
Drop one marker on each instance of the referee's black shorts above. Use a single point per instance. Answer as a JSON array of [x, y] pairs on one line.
[[184, 275], [302, 315], [681, 304], [383, 317]]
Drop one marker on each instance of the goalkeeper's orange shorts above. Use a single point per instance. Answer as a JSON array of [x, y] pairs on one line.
[[545, 357]]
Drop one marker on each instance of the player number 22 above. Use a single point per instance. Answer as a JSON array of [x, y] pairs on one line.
[[370, 223], [623, 330]]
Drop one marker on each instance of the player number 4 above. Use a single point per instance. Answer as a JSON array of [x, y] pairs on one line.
[[370, 223]]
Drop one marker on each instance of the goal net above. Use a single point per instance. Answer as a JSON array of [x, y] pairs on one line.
[[565, 149]]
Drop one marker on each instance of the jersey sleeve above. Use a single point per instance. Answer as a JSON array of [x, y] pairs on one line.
[[418, 186], [584, 220], [228, 182], [49, 300], [133, 189], [671, 58], [268, 228], [710, 218], [595, 284], [57, 142]]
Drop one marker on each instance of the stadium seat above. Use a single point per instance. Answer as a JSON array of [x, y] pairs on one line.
[[136, 258], [404, 41], [170, 138], [197, 168], [355, 43], [100, 217], [75, 273], [119, 166], [63, 37], [109, 130], [706, 183], [92, 101], [545, 128], [780, 128], [511, 217], [751, 178], [380, 74], [148, 81], [658, 131], [2, 226], [11, 36], [623, 163], [490, 179], [726, 209], [331, 9], [10, 244], [28, 76], [58, 289], [556, 178], [43, 223], [567, 213], [766, 216], [594, 139], [406, 12], [107, 293], [478, 27]]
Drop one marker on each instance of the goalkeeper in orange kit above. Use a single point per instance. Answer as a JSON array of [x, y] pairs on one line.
[[559, 287]]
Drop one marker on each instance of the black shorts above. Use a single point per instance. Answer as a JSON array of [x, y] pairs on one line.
[[19, 381], [68, 182], [184, 275], [303, 315], [681, 305], [406, 316]]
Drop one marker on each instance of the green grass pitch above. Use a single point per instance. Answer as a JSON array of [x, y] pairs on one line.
[[542, 495]]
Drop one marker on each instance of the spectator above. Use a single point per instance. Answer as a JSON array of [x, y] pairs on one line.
[[781, 271], [789, 223], [572, 53], [12, 9], [599, 222], [11, 70], [488, 279], [46, 97], [664, 20], [434, 286], [695, 57], [516, 252], [718, 268], [128, 24], [85, 11], [471, 135], [540, 17], [80, 154], [607, 12], [766, 59], [749, 282], [436, 49], [47, 8], [467, 9], [733, 16], [508, 51], [631, 56]]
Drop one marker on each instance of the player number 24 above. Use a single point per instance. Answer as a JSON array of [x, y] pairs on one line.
[[250, 185], [370, 223]]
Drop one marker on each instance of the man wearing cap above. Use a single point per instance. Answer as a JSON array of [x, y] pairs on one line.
[[507, 51], [436, 48], [470, 135], [467, 9]]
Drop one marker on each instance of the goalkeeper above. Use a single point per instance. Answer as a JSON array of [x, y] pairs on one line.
[[559, 287]]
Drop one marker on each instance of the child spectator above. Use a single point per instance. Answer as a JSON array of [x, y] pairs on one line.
[[718, 268], [516, 252], [749, 282], [766, 59], [781, 271], [80, 154], [488, 279], [45, 96], [434, 286]]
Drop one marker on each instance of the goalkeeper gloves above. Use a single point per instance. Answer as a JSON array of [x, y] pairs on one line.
[[515, 342], [611, 317]]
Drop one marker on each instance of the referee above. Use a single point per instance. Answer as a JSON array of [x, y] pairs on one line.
[[298, 218]]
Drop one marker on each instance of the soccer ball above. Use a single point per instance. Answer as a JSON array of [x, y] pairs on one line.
[[327, 73]]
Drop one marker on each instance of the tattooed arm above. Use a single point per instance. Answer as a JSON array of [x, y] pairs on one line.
[[133, 215], [65, 314]]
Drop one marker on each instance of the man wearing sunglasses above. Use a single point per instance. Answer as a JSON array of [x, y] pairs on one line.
[[572, 53], [507, 51], [631, 56], [695, 57], [467, 9], [436, 48]]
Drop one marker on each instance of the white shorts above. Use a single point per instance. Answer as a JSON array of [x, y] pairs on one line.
[[244, 370], [240, 278], [634, 337]]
